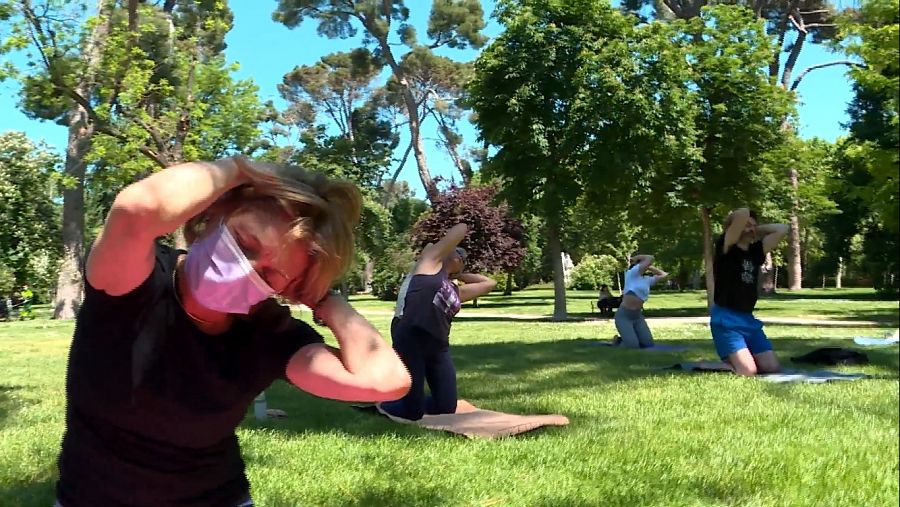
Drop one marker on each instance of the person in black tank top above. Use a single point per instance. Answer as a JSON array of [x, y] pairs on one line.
[[739, 253], [420, 330], [171, 347]]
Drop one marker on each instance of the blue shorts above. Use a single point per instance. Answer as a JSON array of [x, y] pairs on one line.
[[733, 330]]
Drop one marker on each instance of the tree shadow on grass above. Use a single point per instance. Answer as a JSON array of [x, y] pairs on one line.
[[489, 305], [516, 377], [862, 296], [491, 373], [886, 316], [7, 406], [41, 493]]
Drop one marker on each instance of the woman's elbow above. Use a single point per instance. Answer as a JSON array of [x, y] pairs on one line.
[[398, 382], [392, 381], [133, 207], [396, 392]]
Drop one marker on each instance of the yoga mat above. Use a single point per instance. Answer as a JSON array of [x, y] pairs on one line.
[[473, 422], [659, 347], [810, 377], [867, 341], [785, 376]]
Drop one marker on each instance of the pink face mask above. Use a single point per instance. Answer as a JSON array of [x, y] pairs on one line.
[[220, 277]]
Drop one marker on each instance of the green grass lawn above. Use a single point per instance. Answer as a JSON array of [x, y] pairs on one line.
[[836, 304], [638, 435]]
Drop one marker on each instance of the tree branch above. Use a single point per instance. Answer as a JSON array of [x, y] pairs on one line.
[[386, 10], [132, 17], [797, 25], [393, 180], [811, 68], [438, 43], [34, 31], [795, 52], [775, 64]]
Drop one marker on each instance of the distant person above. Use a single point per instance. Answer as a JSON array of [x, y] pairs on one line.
[[606, 302], [27, 300], [5, 308], [630, 323], [427, 303], [739, 253]]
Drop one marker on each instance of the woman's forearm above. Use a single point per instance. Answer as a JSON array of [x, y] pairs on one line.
[[165, 200], [764, 229], [363, 351], [472, 278]]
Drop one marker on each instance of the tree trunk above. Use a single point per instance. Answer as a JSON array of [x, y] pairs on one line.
[[446, 133], [839, 275], [412, 112], [795, 269], [708, 255], [416, 139], [559, 284], [509, 284], [70, 281], [368, 272], [389, 188]]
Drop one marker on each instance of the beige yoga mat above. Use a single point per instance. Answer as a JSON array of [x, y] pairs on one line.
[[474, 422]]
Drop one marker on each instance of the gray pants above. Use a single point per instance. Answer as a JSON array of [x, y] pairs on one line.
[[633, 329]]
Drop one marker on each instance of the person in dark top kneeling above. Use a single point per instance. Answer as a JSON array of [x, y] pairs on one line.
[[739, 253], [426, 305], [171, 347]]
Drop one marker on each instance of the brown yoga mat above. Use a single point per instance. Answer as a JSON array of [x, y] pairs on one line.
[[473, 422]]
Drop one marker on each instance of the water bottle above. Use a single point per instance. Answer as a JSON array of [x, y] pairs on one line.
[[259, 407]]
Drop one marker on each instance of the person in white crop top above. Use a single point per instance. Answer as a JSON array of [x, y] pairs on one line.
[[630, 323]]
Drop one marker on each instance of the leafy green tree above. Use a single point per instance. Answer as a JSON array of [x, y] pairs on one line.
[[338, 88], [874, 123], [141, 86], [29, 215], [573, 101], [740, 112], [452, 23], [62, 69], [437, 84], [540, 97], [794, 24]]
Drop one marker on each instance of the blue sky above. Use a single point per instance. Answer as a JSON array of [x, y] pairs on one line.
[[266, 50]]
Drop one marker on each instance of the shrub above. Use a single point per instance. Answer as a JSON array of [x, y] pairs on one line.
[[592, 272]]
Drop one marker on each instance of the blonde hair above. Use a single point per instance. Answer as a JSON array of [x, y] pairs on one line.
[[323, 214]]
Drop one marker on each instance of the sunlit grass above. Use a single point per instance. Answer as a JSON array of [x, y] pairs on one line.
[[639, 435]]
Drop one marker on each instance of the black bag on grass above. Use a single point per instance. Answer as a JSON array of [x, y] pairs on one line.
[[833, 356]]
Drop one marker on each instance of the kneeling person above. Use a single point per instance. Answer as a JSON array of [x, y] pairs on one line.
[[739, 253], [427, 303]]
